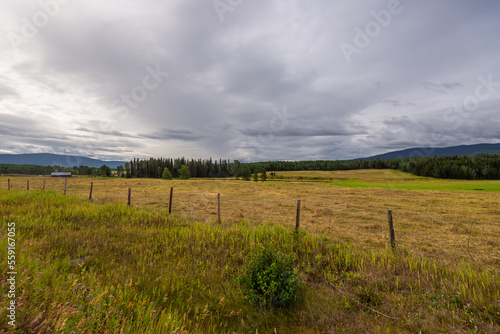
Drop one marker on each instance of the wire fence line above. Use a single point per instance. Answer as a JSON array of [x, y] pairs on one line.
[[197, 205], [141, 197], [340, 218]]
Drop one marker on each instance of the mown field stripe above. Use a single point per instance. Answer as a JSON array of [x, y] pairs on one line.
[[457, 186]]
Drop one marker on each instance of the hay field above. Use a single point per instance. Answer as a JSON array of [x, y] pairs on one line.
[[440, 221]]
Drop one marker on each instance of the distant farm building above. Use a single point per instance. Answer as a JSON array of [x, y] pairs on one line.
[[61, 174]]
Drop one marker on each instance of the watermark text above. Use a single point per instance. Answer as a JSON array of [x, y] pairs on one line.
[[30, 27], [11, 273]]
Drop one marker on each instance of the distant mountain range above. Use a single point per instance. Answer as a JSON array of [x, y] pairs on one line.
[[443, 151], [48, 159]]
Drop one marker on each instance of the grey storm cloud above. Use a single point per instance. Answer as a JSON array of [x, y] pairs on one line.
[[172, 134], [107, 133], [6, 91], [398, 103], [264, 80], [299, 127], [441, 87]]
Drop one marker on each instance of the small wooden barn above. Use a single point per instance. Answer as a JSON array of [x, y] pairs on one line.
[[61, 174]]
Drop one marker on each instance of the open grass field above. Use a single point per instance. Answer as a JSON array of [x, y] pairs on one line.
[[146, 271], [393, 179], [446, 225]]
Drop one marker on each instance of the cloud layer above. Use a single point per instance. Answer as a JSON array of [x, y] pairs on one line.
[[249, 80]]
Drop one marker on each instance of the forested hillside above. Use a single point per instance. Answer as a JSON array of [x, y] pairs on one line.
[[483, 166], [440, 151]]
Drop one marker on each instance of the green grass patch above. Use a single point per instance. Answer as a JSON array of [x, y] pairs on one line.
[[424, 185], [385, 178]]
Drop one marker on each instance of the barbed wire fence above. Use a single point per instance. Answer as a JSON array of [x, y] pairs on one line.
[[318, 212]]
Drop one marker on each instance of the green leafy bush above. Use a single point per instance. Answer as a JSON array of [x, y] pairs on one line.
[[184, 172], [270, 279], [166, 175]]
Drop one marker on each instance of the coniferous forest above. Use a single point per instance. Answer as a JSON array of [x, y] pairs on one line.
[[480, 167], [153, 168], [28, 169]]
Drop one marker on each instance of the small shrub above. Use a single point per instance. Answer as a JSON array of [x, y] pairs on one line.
[[270, 279], [368, 296], [184, 172], [166, 175], [256, 177]]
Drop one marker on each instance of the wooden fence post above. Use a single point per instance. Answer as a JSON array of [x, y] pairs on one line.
[[91, 186], [170, 201], [43, 186], [129, 194], [218, 207], [65, 184], [297, 218], [391, 229], [27, 184], [8, 184]]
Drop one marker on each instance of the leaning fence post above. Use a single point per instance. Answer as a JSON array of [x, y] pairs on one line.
[[391, 229], [129, 194], [91, 186], [218, 207], [297, 218], [65, 184], [170, 201]]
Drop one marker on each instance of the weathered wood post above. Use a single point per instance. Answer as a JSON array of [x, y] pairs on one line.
[[65, 185], [43, 186], [170, 201], [8, 184], [129, 195], [27, 184], [91, 186], [218, 207], [391, 229], [297, 218]]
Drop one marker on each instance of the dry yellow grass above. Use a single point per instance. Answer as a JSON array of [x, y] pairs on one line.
[[362, 175], [448, 226], [183, 270]]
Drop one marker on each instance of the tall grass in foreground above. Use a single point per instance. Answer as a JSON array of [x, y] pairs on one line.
[[87, 268]]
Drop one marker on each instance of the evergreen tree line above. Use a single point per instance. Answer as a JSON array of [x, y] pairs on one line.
[[153, 168], [28, 169], [483, 166], [480, 167], [47, 170]]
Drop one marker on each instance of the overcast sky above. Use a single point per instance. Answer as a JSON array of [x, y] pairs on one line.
[[247, 79]]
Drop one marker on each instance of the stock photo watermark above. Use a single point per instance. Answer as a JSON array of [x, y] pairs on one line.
[[11, 273], [371, 30], [483, 91], [223, 6], [455, 115], [151, 81], [266, 134], [30, 27]]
